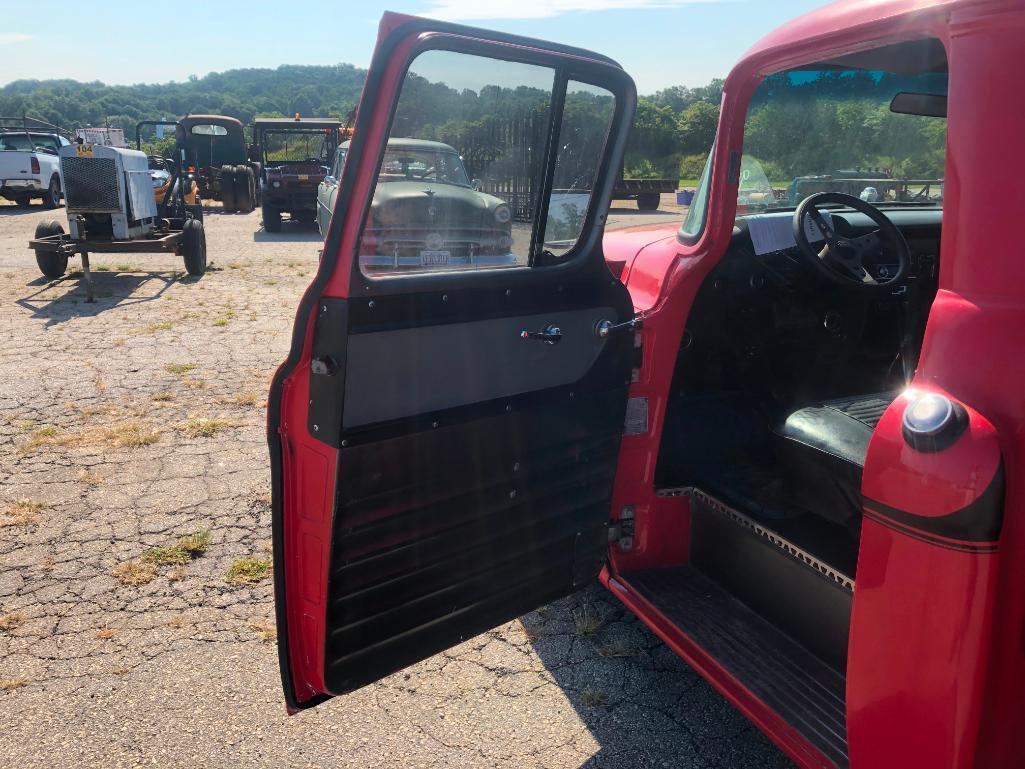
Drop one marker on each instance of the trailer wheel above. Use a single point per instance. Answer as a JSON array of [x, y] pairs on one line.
[[194, 247], [271, 218], [228, 189], [244, 188], [51, 263], [649, 201]]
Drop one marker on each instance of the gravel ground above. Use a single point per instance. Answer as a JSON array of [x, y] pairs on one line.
[[134, 480]]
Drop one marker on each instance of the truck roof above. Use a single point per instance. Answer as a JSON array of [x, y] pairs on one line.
[[306, 122], [213, 119], [842, 15], [413, 144]]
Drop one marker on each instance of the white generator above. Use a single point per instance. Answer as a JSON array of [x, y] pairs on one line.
[[108, 192]]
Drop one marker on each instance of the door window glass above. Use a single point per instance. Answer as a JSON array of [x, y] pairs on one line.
[[585, 126], [458, 186]]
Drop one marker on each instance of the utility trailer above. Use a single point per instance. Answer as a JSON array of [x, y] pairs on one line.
[[647, 192], [112, 208]]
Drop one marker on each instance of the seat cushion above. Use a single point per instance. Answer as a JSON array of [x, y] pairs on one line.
[[822, 448]]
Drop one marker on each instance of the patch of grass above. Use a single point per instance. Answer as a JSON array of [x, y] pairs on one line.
[[266, 629], [195, 384], [11, 620], [106, 633], [9, 684], [617, 648], [152, 328], [234, 266], [127, 267], [21, 512], [134, 573], [594, 697], [127, 435], [102, 268], [184, 550], [247, 571], [162, 396], [180, 368], [25, 424], [242, 399], [205, 427], [587, 620], [221, 322], [43, 436]]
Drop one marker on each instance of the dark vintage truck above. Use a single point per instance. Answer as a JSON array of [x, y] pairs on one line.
[[296, 154]]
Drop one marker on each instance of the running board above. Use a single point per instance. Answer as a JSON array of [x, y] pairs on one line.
[[801, 595], [804, 691]]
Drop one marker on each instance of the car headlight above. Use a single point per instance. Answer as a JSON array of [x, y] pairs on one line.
[[503, 214]]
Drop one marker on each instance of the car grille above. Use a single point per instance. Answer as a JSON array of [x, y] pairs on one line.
[[91, 184]]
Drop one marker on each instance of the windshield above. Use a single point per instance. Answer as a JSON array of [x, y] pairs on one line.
[[293, 146], [403, 164], [209, 130], [830, 130]]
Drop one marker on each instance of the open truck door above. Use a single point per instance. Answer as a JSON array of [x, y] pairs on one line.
[[444, 433]]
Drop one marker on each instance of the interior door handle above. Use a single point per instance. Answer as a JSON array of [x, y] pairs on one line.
[[550, 335]]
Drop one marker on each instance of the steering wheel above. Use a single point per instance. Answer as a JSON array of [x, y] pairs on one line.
[[843, 260]]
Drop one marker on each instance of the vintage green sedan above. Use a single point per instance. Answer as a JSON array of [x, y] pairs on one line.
[[425, 212]]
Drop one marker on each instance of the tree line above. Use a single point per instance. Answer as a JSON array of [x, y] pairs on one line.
[[672, 132]]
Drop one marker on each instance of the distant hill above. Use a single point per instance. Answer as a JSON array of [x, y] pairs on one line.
[[241, 93]]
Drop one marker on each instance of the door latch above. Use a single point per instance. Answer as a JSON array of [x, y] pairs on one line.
[[605, 327], [550, 335]]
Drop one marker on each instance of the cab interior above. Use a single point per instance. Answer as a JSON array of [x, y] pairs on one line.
[[780, 378]]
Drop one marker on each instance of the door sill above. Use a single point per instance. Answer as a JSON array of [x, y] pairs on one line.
[[785, 678]]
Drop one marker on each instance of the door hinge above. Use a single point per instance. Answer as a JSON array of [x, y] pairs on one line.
[[621, 530]]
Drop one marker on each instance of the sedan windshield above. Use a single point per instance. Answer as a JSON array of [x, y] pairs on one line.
[[401, 165]]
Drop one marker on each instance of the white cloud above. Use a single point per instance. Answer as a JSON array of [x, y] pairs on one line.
[[9, 38], [476, 10]]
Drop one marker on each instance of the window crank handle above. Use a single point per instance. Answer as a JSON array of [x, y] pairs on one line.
[[550, 335]]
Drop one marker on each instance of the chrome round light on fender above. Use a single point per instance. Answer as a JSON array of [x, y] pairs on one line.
[[932, 421], [277, 184], [503, 214]]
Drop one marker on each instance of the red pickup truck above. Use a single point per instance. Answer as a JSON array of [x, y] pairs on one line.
[[788, 435]]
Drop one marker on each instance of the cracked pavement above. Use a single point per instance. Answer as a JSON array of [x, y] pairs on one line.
[[131, 423]]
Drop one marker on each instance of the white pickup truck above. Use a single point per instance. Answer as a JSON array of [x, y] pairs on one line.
[[29, 166]]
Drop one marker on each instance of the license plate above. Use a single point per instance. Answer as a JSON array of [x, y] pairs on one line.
[[433, 258], [84, 150], [304, 177]]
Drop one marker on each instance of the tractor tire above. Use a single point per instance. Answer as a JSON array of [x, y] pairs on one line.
[[648, 201], [271, 218], [52, 196], [52, 265], [257, 189], [244, 192], [194, 247], [228, 189]]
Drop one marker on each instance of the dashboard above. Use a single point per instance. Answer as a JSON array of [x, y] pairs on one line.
[[765, 317]]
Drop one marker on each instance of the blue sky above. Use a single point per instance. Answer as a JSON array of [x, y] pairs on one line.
[[659, 42]]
